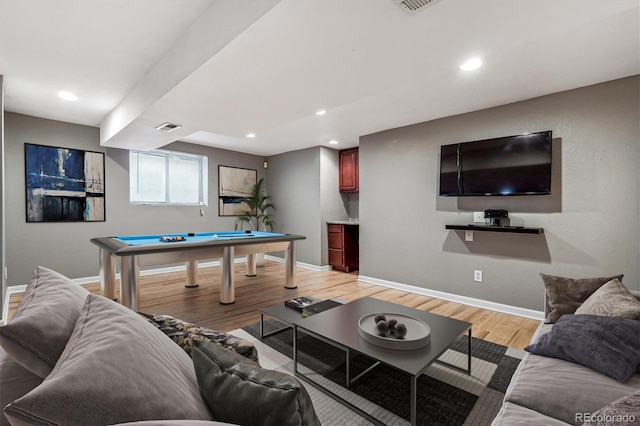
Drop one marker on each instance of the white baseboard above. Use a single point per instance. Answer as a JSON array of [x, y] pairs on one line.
[[301, 264], [479, 303]]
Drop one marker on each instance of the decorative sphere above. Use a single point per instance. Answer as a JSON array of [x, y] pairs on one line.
[[382, 327], [379, 317], [392, 324], [400, 330]]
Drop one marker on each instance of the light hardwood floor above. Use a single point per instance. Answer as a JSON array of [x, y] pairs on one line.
[[166, 294]]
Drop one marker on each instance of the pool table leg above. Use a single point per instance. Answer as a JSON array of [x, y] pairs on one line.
[[227, 286], [251, 265], [192, 274], [129, 277], [107, 274], [290, 266]]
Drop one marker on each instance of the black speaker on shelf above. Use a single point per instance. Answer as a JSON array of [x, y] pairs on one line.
[[497, 217]]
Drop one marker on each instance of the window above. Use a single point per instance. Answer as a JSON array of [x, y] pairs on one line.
[[165, 177]]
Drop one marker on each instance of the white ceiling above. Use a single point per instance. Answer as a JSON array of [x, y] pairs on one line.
[[225, 68]]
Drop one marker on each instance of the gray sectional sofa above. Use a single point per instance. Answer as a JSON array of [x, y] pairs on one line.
[[69, 357], [547, 390]]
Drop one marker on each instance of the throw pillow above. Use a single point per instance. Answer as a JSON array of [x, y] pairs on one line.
[[43, 322], [565, 295], [184, 333], [624, 411], [116, 368], [239, 391], [608, 345], [612, 299]]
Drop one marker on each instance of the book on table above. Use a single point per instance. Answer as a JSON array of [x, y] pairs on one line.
[[318, 307], [300, 303]]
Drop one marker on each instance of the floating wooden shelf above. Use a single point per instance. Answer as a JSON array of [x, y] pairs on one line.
[[489, 228]]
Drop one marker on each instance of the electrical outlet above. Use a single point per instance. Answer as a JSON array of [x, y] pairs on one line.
[[468, 235], [477, 275], [478, 217]]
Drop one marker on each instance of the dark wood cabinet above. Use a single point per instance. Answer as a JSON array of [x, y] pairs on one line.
[[348, 173], [344, 253]]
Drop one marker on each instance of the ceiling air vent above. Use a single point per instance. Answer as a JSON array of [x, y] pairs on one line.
[[168, 127], [414, 6]]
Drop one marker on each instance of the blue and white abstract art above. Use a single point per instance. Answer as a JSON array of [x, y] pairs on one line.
[[64, 185]]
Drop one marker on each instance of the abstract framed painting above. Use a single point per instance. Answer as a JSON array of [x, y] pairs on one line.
[[64, 184], [234, 185]]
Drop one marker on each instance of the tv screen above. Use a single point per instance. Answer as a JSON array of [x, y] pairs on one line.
[[512, 165]]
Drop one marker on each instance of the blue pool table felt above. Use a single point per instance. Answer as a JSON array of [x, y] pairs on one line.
[[141, 240]]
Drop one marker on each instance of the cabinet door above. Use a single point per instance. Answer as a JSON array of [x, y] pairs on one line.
[[336, 259], [349, 170]]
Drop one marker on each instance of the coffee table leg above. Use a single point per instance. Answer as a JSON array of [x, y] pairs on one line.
[[469, 359], [261, 326], [347, 379], [295, 348], [414, 393]]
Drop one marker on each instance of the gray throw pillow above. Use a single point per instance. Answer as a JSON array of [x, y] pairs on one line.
[[608, 345], [43, 322], [613, 299], [239, 391], [116, 368], [622, 412], [567, 294]]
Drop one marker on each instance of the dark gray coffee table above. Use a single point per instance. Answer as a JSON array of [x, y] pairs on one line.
[[282, 313], [339, 327]]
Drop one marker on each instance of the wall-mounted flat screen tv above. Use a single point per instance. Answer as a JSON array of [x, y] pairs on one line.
[[512, 165]]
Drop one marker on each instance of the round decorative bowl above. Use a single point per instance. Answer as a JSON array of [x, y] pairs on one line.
[[418, 332]]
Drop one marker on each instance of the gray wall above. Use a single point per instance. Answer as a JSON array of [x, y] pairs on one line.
[[3, 251], [304, 186], [65, 247], [590, 221], [294, 184]]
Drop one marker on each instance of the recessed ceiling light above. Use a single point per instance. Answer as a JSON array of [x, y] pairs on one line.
[[321, 112], [251, 135], [67, 96], [333, 142], [471, 64]]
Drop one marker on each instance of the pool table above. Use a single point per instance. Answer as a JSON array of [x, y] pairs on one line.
[[148, 250]]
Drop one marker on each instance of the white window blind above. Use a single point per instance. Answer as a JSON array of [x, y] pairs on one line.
[[166, 177]]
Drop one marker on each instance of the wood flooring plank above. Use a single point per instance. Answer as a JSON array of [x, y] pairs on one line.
[[166, 294]]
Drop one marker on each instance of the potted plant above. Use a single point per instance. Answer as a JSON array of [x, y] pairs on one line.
[[257, 218]]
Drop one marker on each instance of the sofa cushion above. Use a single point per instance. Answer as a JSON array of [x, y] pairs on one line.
[[116, 368], [174, 423], [612, 299], [624, 411], [16, 381], [560, 389], [515, 415], [565, 295], [44, 320], [183, 333], [238, 390], [608, 345]]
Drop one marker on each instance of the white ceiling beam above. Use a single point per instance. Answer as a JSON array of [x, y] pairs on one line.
[[217, 27]]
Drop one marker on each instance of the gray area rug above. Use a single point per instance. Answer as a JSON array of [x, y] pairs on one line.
[[445, 396]]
